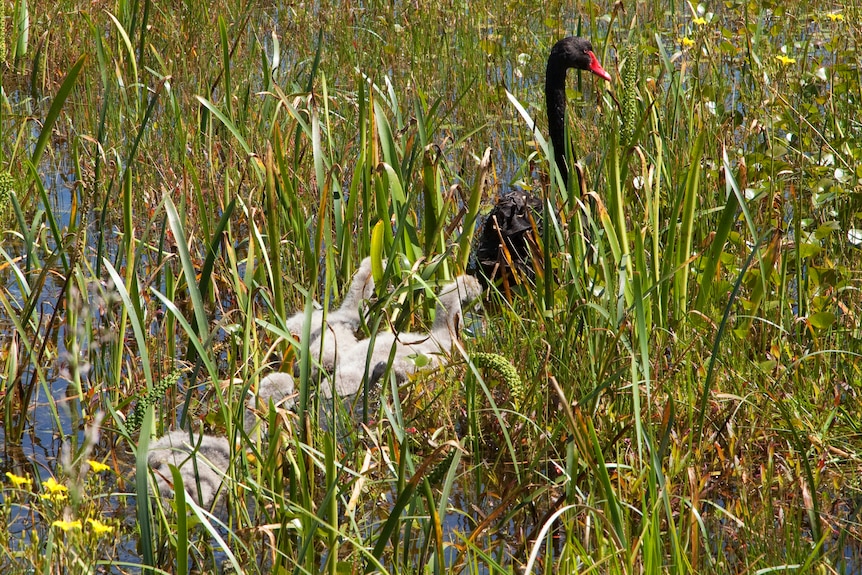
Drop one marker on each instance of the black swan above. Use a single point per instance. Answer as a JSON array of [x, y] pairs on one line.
[[513, 214]]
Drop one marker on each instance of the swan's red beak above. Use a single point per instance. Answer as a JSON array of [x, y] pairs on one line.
[[597, 69]]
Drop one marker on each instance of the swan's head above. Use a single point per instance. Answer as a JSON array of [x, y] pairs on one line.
[[464, 289], [573, 52]]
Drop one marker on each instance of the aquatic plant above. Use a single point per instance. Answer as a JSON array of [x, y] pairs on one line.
[[505, 370], [7, 186]]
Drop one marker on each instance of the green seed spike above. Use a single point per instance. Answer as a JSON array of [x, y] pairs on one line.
[[2, 37], [436, 476], [505, 370], [630, 80], [146, 399], [7, 184]]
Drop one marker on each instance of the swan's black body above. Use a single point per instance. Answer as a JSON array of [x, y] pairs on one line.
[[510, 219]]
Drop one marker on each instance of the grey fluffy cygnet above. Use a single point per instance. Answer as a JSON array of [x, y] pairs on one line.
[[278, 388], [361, 287], [338, 332], [355, 365], [201, 460], [204, 460]]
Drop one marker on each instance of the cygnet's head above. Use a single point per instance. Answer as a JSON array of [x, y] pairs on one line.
[[464, 289], [468, 287]]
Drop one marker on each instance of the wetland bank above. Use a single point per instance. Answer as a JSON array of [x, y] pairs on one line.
[[177, 180]]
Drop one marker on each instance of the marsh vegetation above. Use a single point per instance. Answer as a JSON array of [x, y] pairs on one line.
[[675, 388]]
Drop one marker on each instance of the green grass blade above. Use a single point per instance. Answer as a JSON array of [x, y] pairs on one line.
[[57, 103], [22, 28], [235, 131], [135, 318], [127, 44], [697, 436], [476, 195], [201, 325], [142, 490], [722, 232], [182, 533], [49, 214], [225, 53], [687, 227]]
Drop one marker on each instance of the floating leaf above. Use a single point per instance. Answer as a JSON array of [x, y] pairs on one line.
[[767, 366], [807, 250], [822, 319], [826, 229]]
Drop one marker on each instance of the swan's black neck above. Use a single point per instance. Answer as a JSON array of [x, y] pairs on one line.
[[555, 100], [568, 53]]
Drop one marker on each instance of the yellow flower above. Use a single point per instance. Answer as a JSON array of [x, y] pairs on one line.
[[55, 497], [98, 466], [785, 60], [686, 42], [19, 481], [699, 20], [836, 17], [99, 527], [67, 525], [53, 487]]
